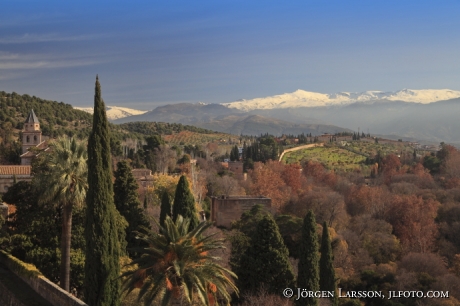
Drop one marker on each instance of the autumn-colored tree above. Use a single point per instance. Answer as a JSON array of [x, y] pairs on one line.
[[292, 176], [163, 182], [445, 152], [211, 148], [390, 167], [319, 174], [413, 219], [314, 169], [268, 183], [327, 205], [450, 168], [419, 170], [333, 210], [363, 199]]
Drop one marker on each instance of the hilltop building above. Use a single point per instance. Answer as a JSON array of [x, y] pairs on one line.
[[31, 138], [226, 209], [33, 143], [143, 177]]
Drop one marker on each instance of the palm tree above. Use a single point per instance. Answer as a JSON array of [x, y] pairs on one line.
[[176, 266], [64, 183]]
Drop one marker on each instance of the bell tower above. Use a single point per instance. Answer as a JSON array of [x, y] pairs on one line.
[[31, 135]]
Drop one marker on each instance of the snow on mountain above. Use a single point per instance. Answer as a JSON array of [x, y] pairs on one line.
[[302, 98], [115, 112]]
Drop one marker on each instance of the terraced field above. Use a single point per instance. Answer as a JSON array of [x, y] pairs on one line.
[[187, 137], [371, 148], [337, 157], [331, 157]]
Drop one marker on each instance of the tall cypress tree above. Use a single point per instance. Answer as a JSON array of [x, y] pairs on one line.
[[234, 154], [308, 276], [102, 267], [184, 203], [326, 269], [165, 207], [127, 202], [266, 261]]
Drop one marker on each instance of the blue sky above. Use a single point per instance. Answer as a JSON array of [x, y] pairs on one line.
[[149, 53]]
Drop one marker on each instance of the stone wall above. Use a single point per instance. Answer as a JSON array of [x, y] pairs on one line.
[[30, 275], [8, 298], [226, 209]]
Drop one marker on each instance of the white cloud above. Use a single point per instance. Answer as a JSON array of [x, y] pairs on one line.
[[14, 61], [8, 56]]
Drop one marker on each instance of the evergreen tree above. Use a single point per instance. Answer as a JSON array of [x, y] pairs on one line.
[[234, 154], [184, 203], [127, 202], [102, 267], [326, 269], [308, 276], [165, 207], [266, 261]]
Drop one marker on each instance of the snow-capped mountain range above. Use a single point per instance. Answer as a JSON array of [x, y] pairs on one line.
[[428, 114], [302, 98], [115, 112]]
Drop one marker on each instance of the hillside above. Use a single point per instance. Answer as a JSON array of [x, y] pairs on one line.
[[220, 118], [161, 128], [185, 113], [56, 118], [255, 125]]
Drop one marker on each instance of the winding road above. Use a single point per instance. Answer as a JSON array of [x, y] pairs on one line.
[[312, 145]]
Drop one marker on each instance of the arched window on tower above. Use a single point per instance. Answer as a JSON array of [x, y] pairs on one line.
[[27, 139], [35, 139]]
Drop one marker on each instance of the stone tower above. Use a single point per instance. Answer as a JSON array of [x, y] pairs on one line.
[[31, 134]]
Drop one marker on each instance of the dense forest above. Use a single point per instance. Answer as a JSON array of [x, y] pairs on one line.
[[161, 128]]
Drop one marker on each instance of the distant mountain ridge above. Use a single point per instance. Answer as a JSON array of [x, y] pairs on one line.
[[428, 114], [302, 98], [115, 112], [217, 117]]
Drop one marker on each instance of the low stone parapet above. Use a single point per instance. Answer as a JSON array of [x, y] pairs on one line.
[[39, 283]]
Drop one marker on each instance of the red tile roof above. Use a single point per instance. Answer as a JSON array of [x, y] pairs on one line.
[[15, 170]]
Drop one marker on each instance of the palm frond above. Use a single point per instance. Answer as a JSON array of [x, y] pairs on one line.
[[176, 264]]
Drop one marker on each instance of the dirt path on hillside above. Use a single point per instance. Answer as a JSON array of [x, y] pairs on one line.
[[300, 148]]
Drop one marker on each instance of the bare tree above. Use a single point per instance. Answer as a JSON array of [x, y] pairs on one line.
[[165, 158]]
